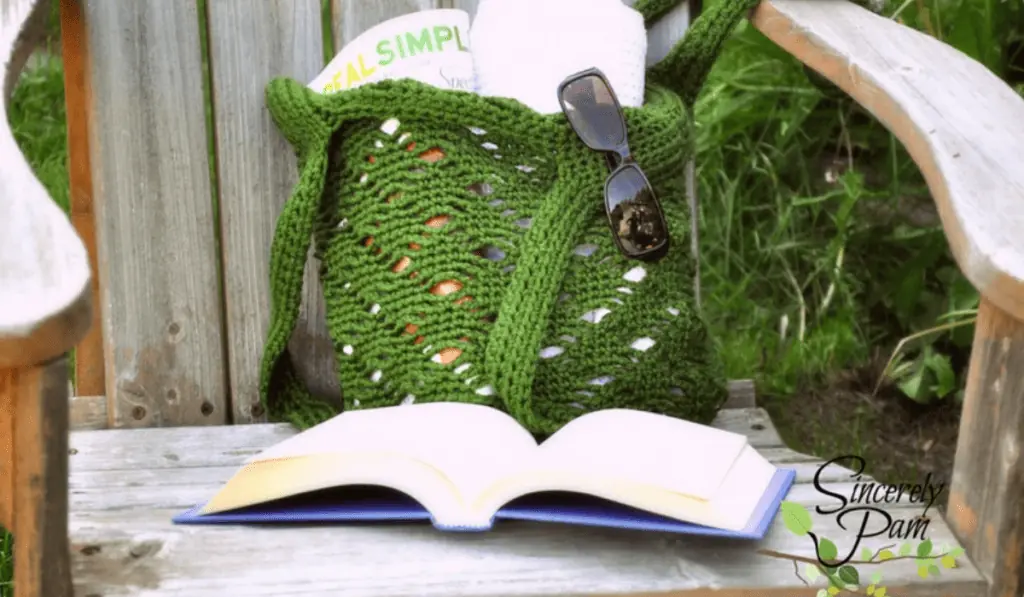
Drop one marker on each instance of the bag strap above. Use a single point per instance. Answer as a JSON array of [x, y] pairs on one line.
[[310, 120], [688, 63], [309, 132]]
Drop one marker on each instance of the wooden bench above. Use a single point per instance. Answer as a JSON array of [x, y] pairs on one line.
[[159, 278]]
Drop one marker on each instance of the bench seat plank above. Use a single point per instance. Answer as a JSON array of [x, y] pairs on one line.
[[127, 484]]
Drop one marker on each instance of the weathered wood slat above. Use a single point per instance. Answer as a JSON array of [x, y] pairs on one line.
[[352, 17], [963, 126], [163, 336], [413, 560], [250, 43], [179, 447], [34, 504], [87, 412], [125, 489], [121, 449], [89, 371], [986, 502], [90, 412], [742, 394], [6, 461]]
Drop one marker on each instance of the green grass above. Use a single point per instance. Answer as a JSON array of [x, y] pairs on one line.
[[819, 248], [820, 245]]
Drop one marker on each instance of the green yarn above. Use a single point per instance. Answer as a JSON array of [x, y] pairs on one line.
[[547, 320]]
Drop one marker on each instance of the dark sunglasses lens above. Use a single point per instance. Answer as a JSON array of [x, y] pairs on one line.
[[635, 214], [594, 113]]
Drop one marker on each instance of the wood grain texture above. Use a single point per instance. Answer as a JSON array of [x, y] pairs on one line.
[[45, 306], [197, 447], [961, 124], [90, 412], [163, 338], [126, 485], [986, 502], [34, 404], [251, 43], [352, 17], [75, 51], [6, 459], [741, 394], [524, 559]]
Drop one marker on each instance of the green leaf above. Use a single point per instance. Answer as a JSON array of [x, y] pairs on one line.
[[833, 590], [905, 548], [866, 553], [922, 571], [945, 377], [948, 561], [871, 589], [924, 549], [849, 575], [827, 550], [912, 386], [796, 518], [811, 572], [956, 553], [934, 570], [972, 29], [884, 555], [876, 578]]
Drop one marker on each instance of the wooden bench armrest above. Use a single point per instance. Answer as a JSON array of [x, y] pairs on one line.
[[45, 301], [962, 125]]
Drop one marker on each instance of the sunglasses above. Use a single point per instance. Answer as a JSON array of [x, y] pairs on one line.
[[634, 213]]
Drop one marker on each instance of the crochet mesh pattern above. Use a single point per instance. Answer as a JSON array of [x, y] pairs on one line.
[[466, 254]]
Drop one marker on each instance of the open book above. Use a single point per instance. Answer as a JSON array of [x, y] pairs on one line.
[[462, 466]]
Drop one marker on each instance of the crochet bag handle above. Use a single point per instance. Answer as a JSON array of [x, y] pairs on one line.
[[687, 65], [310, 121]]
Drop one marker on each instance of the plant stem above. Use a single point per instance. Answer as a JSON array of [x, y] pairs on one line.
[[814, 561]]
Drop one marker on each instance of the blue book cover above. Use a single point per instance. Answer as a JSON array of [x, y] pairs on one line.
[[380, 505]]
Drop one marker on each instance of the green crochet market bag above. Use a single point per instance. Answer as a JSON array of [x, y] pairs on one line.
[[466, 254]]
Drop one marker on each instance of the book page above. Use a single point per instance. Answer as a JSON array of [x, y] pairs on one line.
[[645, 449], [470, 444]]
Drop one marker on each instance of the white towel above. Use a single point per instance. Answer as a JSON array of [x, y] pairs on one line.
[[523, 49]]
